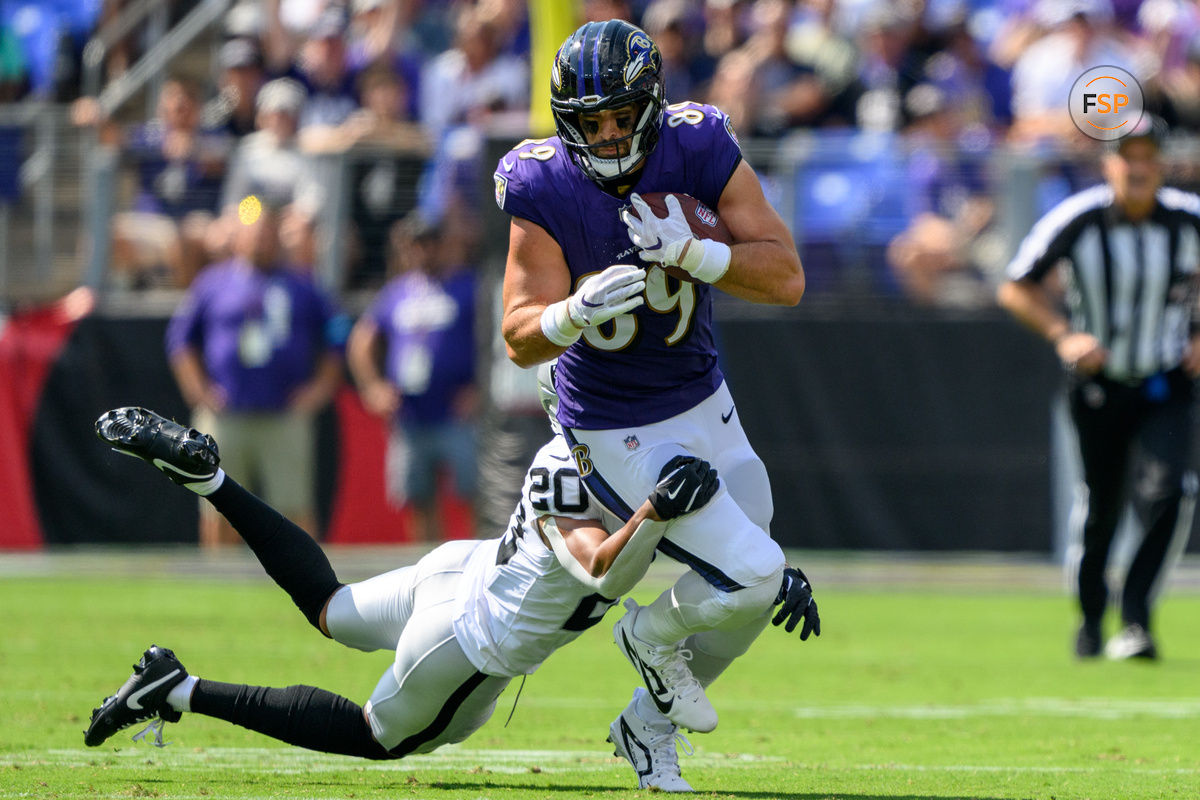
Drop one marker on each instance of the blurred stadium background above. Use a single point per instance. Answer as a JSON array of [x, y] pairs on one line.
[[909, 145]]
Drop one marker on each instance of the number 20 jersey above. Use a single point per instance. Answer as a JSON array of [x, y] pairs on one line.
[[660, 359], [516, 604]]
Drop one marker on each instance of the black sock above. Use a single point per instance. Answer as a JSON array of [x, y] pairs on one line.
[[301, 715], [287, 553]]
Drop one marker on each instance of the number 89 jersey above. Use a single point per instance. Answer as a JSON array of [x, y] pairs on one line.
[[659, 360], [516, 604]]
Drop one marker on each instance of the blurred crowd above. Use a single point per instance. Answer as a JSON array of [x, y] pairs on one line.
[[418, 83]]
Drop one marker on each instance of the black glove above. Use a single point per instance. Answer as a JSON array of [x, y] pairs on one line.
[[796, 596], [684, 485]]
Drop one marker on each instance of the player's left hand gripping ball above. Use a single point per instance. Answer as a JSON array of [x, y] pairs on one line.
[[796, 603], [669, 241]]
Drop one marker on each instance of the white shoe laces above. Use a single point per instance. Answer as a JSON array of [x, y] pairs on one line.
[[156, 725], [676, 673], [663, 754]]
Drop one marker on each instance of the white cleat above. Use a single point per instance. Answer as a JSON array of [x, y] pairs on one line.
[[669, 682], [1132, 642], [649, 747]]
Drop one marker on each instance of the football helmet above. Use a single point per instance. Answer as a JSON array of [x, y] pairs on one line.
[[604, 66]]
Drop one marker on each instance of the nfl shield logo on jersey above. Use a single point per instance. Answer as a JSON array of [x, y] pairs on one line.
[[729, 130], [501, 189], [631, 442]]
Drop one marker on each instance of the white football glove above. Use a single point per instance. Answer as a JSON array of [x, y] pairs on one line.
[[615, 291], [662, 240]]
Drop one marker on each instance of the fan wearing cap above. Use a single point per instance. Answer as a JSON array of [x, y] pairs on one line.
[[324, 71], [319, 63], [233, 109], [1131, 249], [268, 165]]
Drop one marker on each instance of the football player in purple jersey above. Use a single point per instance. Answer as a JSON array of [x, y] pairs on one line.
[[636, 374]]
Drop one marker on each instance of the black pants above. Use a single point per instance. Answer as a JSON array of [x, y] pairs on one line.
[[1136, 444]]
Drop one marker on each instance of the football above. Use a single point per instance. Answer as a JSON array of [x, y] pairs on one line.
[[703, 221]]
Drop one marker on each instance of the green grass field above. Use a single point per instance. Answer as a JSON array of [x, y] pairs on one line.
[[946, 680]]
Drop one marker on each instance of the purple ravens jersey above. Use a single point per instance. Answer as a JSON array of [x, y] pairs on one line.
[[658, 360]]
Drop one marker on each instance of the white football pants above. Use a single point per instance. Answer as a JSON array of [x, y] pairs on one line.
[[727, 542], [432, 694]]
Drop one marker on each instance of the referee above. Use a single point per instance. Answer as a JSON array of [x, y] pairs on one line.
[[1132, 250]]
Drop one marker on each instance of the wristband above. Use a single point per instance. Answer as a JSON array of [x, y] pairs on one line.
[[557, 325], [707, 260]]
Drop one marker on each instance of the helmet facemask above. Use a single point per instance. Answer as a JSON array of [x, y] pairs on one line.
[[605, 66], [641, 140]]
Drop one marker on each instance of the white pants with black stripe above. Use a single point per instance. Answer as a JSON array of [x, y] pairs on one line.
[[432, 694], [728, 541]]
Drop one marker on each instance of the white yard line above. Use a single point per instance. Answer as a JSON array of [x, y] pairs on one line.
[[992, 768], [1080, 708], [288, 761], [1087, 708]]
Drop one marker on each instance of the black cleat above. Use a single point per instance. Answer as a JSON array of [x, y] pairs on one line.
[[1087, 641], [142, 697], [183, 454]]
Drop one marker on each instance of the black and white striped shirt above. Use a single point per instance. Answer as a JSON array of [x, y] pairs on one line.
[[1131, 285]]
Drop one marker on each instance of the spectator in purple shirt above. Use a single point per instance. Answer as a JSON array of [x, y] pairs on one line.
[[179, 166], [256, 349], [942, 257], [421, 329]]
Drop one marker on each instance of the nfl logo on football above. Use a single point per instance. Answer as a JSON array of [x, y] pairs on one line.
[[706, 215], [631, 442]]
